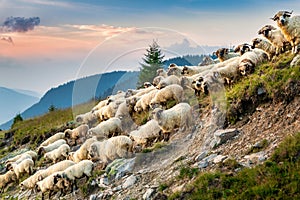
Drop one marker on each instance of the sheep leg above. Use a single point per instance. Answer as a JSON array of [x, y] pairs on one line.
[[166, 136], [50, 194]]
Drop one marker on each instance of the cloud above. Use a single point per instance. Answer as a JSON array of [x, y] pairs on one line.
[[19, 24], [104, 30], [48, 3]]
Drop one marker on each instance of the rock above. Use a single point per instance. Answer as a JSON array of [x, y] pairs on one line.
[[202, 164], [130, 181], [116, 189], [104, 180], [119, 167], [256, 158], [222, 136], [178, 188], [295, 61], [148, 194], [210, 158], [219, 159], [261, 91], [93, 197], [201, 156]]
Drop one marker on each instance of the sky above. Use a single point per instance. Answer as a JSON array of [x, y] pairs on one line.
[[45, 43]]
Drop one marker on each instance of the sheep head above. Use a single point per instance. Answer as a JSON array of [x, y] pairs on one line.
[[242, 48], [68, 133], [147, 84], [255, 42], [161, 85], [221, 52], [185, 70], [172, 65], [246, 67], [281, 17]]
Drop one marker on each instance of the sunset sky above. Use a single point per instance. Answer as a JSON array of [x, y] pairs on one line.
[[77, 38]]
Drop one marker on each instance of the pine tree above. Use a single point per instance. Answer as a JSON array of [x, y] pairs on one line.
[[153, 61]]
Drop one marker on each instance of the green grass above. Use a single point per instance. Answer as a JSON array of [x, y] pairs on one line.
[[277, 178], [31, 131], [273, 77], [155, 147]]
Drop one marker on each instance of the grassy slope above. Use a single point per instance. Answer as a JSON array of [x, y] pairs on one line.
[[36, 129], [275, 177], [278, 177]]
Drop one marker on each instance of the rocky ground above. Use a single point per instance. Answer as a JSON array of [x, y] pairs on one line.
[[250, 142], [206, 147]]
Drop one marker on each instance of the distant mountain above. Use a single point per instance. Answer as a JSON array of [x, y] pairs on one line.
[[13, 102], [189, 60], [80, 91], [29, 92]]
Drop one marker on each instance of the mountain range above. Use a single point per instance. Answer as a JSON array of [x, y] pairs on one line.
[[71, 93], [13, 102]]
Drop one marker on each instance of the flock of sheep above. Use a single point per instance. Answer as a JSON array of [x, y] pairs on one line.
[[108, 131]]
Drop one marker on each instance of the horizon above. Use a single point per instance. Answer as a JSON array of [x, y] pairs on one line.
[[67, 39]]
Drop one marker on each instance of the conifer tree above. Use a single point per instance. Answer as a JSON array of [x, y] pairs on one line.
[[153, 61]]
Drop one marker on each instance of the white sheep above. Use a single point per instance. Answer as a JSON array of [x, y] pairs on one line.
[[156, 80], [250, 59], [224, 54], [118, 98], [170, 92], [44, 149], [107, 111], [86, 118], [100, 105], [76, 133], [265, 45], [15, 158], [79, 170], [123, 111], [57, 167], [275, 36], [172, 79], [53, 138], [145, 133], [290, 28], [107, 129], [143, 104], [242, 48], [209, 82], [51, 184], [56, 154], [26, 166], [161, 72], [82, 152], [230, 71], [7, 178], [143, 91], [175, 70], [178, 116], [108, 150], [22, 157], [31, 181]]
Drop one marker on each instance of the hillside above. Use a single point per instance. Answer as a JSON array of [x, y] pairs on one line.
[[244, 144], [77, 92], [14, 102]]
